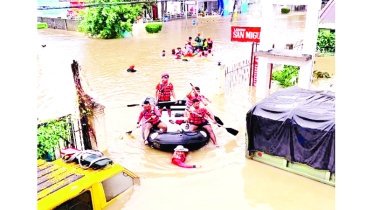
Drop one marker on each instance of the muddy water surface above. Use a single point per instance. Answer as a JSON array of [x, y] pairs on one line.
[[227, 180]]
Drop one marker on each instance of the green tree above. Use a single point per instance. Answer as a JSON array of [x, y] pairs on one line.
[[108, 21]]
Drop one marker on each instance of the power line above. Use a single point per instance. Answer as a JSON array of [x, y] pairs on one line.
[[99, 5]]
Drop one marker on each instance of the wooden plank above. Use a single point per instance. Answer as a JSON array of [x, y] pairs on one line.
[[44, 166], [53, 178], [70, 179], [47, 171]]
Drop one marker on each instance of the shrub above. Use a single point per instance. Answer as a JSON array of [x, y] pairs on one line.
[[285, 10], [325, 42], [286, 77], [319, 74], [153, 27]]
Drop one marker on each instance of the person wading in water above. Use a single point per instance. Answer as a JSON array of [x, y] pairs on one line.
[[179, 157]]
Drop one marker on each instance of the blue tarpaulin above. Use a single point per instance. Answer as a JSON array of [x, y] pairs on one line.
[[221, 6]]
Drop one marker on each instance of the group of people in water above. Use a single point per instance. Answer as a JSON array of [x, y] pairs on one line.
[[201, 47], [197, 117]]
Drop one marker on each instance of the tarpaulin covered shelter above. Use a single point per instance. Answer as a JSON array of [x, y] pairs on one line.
[[296, 124]]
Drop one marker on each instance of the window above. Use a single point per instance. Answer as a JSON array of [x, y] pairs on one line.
[[82, 201], [116, 185]]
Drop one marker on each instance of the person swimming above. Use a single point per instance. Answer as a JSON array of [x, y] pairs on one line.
[[179, 53], [131, 69]]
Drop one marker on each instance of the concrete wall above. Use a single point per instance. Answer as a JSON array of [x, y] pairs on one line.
[[59, 23]]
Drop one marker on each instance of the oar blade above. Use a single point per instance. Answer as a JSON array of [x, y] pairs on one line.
[[232, 131], [172, 103], [218, 120], [131, 105]]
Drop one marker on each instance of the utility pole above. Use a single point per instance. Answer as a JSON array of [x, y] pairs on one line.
[[197, 12], [186, 14]]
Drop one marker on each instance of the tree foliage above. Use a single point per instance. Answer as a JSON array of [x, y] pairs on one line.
[[326, 42], [109, 21], [289, 75], [286, 77], [49, 133]]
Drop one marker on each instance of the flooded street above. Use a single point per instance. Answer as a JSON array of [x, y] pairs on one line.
[[227, 180]]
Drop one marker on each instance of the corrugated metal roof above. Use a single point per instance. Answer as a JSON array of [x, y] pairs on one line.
[[328, 13]]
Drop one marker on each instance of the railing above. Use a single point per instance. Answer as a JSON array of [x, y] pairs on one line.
[[235, 75], [75, 138]]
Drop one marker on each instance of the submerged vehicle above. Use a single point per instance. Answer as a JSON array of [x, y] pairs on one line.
[[177, 133], [82, 180]]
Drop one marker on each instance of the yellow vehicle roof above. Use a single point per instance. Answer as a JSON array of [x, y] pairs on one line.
[[59, 181]]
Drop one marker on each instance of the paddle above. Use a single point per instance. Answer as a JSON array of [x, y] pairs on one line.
[[217, 119], [232, 131], [160, 102], [131, 105], [129, 132]]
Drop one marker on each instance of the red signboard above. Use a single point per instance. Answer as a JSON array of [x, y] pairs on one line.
[[245, 34]]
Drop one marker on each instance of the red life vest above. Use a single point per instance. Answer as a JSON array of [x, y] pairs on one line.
[[190, 99], [164, 91], [209, 43], [181, 157], [198, 119], [147, 114]]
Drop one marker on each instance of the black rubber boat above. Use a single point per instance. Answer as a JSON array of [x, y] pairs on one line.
[[176, 133]]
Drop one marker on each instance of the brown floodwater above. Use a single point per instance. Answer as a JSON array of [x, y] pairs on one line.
[[227, 180]]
